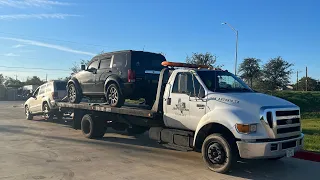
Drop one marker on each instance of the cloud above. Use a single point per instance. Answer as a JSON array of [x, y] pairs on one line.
[[31, 3], [18, 46], [11, 55], [36, 16], [52, 46]]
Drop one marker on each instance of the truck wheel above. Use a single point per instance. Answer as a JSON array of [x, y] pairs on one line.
[[47, 114], [113, 96], [136, 130], [73, 94], [29, 116], [92, 127], [217, 153]]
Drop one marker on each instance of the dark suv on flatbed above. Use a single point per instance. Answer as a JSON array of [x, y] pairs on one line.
[[117, 76]]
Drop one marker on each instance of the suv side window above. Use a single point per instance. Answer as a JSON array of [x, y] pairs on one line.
[[42, 89], [105, 63], [94, 64], [49, 88], [36, 92]]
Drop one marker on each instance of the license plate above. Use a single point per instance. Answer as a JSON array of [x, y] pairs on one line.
[[290, 152]]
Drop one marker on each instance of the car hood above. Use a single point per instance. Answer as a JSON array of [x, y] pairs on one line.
[[249, 101]]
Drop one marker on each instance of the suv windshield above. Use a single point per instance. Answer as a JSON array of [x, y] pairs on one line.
[[221, 81]]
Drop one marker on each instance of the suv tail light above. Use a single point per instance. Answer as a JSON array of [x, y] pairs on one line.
[[54, 95], [131, 76]]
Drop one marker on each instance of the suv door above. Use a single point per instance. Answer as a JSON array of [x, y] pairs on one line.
[[40, 97], [104, 70], [33, 101], [87, 77]]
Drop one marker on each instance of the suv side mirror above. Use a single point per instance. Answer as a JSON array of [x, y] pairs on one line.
[[83, 67], [93, 70]]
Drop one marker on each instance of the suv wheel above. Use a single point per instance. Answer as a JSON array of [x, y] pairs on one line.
[[113, 96], [29, 116], [46, 112], [73, 95]]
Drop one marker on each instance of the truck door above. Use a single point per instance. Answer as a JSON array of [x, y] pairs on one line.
[[183, 107], [104, 70], [177, 102]]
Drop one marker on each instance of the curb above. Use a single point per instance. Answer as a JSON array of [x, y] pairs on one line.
[[308, 155]]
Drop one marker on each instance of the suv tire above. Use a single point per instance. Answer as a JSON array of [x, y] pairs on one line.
[[28, 114], [46, 111], [113, 96], [73, 94]]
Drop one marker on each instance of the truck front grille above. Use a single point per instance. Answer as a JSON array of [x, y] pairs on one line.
[[288, 130], [281, 122]]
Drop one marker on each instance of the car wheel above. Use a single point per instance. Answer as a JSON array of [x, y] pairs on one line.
[[46, 112], [113, 96], [28, 114], [73, 94], [217, 153]]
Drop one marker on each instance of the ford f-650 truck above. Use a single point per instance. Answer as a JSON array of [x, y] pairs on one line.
[[206, 110]]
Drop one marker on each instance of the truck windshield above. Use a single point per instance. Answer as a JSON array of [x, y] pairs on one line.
[[221, 81]]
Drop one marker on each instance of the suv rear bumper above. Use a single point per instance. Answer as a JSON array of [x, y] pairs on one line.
[[261, 150]]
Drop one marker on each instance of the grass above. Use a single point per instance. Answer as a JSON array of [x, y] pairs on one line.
[[311, 130]]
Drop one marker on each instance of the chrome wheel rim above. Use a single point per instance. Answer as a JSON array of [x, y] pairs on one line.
[[113, 95], [72, 93]]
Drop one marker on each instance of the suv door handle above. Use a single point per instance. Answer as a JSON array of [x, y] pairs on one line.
[[200, 105]]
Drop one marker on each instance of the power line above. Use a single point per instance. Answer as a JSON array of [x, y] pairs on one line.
[[35, 68]]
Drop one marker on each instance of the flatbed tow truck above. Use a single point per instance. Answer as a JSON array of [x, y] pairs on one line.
[[205, 110]]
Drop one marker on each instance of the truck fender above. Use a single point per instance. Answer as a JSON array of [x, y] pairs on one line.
[[115, 79], [228, 118], [76, 83]]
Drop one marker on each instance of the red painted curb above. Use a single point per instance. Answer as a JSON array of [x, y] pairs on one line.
[[307, 155]]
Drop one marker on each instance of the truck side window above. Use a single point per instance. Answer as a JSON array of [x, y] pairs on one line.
[[186, 83], [105, 63], [94, 64]]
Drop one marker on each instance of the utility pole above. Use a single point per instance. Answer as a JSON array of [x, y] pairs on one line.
[[16, 77], [46, 77], [236, 53], [306, 78], [297, 81]]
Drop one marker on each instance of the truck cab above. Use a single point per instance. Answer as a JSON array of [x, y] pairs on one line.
[[215, 104]]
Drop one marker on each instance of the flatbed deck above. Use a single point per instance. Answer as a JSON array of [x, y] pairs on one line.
[[128, 109]]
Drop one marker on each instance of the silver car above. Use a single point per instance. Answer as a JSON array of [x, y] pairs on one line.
[[43, 100]]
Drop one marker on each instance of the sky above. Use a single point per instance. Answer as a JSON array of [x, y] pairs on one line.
[[46, 37]]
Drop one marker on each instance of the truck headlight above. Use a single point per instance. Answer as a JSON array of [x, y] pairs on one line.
[[246, 128]]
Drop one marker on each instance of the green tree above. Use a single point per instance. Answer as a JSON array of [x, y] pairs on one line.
[[76, 67], [250, 70], [35, 80], [203, 59], [313, 85], [2, 79], [276, 73], [10, 82]]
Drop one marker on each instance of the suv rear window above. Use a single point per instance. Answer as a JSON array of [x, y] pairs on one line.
[[60, 86], [141, 61]]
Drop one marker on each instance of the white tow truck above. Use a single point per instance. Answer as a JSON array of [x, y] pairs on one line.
[[206, 110]]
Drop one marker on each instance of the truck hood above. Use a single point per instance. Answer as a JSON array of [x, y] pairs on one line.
[[249, 101]]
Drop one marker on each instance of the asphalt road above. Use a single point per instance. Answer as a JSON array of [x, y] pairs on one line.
[[39, 149]]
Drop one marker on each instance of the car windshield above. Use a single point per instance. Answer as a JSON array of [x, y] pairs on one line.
[[222, 81]]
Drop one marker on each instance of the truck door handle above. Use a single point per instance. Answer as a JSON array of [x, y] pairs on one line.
[[200, 105]]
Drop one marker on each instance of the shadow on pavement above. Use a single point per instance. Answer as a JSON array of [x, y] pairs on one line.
[[249, 169]]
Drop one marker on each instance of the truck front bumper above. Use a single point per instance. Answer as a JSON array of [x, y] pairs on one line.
[[261, 150]]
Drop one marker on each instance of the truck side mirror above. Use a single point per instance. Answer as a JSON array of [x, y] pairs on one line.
[[83, 67]]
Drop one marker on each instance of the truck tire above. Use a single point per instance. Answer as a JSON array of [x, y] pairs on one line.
[[47, 114], [73, 94], [217, 153], [136, 130], [114, 96], [92, 127], [28, 114]]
